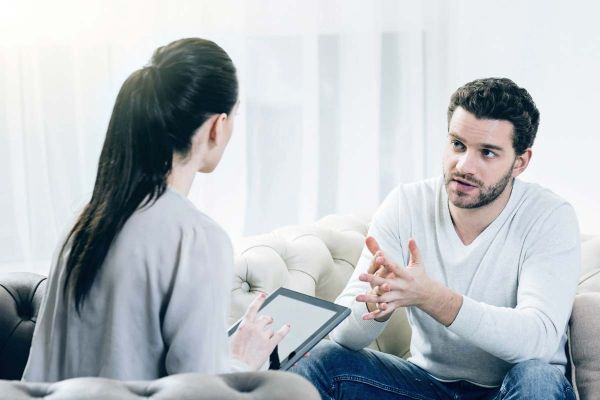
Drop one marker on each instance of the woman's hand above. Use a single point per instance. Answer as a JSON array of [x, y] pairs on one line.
[[255, 339]]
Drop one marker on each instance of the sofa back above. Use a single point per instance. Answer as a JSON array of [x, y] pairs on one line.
[[21, 295]]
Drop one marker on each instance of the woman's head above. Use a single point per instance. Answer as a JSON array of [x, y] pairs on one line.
[[189, 84]]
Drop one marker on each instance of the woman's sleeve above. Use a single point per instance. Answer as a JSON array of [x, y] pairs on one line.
[[194, 320]]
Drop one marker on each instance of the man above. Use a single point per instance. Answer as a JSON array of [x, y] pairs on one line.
[[491, 269]]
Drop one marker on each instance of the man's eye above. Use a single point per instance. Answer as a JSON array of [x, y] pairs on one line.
[[488, 153], [457, 145]]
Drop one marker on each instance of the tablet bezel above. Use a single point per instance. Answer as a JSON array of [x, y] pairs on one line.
[[341, 313]]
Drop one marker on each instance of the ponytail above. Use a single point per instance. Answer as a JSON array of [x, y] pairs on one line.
[[156, 113]]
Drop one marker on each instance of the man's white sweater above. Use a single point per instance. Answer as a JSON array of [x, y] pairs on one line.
[[518, 280]]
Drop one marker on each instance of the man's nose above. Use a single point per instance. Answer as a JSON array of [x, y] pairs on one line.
[[466, 163]]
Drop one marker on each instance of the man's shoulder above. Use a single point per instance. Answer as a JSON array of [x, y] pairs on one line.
[[421, 191], [534, 197], [539, 209]]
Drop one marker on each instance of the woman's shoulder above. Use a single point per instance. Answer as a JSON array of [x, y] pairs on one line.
[[172, 215]]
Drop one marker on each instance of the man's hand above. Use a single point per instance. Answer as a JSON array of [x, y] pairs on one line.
[[410, 286], [376, 269]]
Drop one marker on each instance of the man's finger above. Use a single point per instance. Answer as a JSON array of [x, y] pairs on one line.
[[372, 279], [367, 298], [372, 244], [414, 252], [380, 300], [374, 268], [393, 267], [253, 308], [390, 307]]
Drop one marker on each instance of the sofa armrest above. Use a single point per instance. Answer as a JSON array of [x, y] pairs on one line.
[[584, 344]]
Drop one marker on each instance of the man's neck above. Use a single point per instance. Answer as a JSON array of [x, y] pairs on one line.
[[470, 222]]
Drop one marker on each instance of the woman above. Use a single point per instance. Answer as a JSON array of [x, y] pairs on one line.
[[140, 288]]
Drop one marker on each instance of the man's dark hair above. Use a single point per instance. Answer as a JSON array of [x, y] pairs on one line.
[[500, 98]]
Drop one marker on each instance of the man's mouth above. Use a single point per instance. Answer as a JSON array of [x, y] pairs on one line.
[[463, 181], [463, 184]]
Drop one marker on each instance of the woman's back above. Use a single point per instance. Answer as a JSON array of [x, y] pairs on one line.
[[157, 306]]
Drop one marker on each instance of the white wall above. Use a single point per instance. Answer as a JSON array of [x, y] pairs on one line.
[[341, 101], [552, 48]]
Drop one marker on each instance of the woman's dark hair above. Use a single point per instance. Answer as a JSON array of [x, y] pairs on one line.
[[500, 98], [157, 111]]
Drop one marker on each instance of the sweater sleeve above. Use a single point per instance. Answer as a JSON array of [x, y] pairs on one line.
[[194, 324], [547, 283], [354, 332]]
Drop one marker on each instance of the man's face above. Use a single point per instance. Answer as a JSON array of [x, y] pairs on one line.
[[478, 160]]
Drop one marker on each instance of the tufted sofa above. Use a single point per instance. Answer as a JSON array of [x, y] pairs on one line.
[[20, 298], [318, 259]]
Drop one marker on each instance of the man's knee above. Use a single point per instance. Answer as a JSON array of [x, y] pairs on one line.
[[533, 378], [322, 359], [323, 363]]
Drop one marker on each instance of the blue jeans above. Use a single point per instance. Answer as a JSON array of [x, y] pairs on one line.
[[339, 373]]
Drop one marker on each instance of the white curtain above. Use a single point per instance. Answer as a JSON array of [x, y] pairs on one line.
[[333, 112]]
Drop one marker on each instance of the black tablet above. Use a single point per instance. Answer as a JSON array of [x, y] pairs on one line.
[[310, 319]]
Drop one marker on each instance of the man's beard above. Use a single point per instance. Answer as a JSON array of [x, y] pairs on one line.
[[486, 194]]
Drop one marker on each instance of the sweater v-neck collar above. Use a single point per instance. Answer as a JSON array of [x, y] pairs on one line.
[[490, 229]]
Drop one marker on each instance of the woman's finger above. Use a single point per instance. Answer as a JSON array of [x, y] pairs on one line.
[[264, 321], [252, 310], [280, 334]]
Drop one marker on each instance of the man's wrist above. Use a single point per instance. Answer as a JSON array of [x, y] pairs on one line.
[[443, 305]]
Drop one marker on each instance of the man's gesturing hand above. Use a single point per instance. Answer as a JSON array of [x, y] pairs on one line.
[[394, 287], [378, 269]]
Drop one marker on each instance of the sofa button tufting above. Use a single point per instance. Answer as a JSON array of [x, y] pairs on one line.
[[245, 287], [25, 311]]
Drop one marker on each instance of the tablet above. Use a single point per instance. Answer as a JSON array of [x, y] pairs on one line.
[[310, 319]]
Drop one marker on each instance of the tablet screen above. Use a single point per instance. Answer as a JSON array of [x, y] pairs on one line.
[[310, 320], [304, 319]]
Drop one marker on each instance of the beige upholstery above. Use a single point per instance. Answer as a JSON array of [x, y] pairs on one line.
[[318, 259], [240, 386], [590, 265], [585, 323]]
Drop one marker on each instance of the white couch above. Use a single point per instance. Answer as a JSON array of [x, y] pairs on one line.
[[318, 259]]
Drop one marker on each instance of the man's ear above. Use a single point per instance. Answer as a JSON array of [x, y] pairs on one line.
[[217, 127], [521, 163]]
